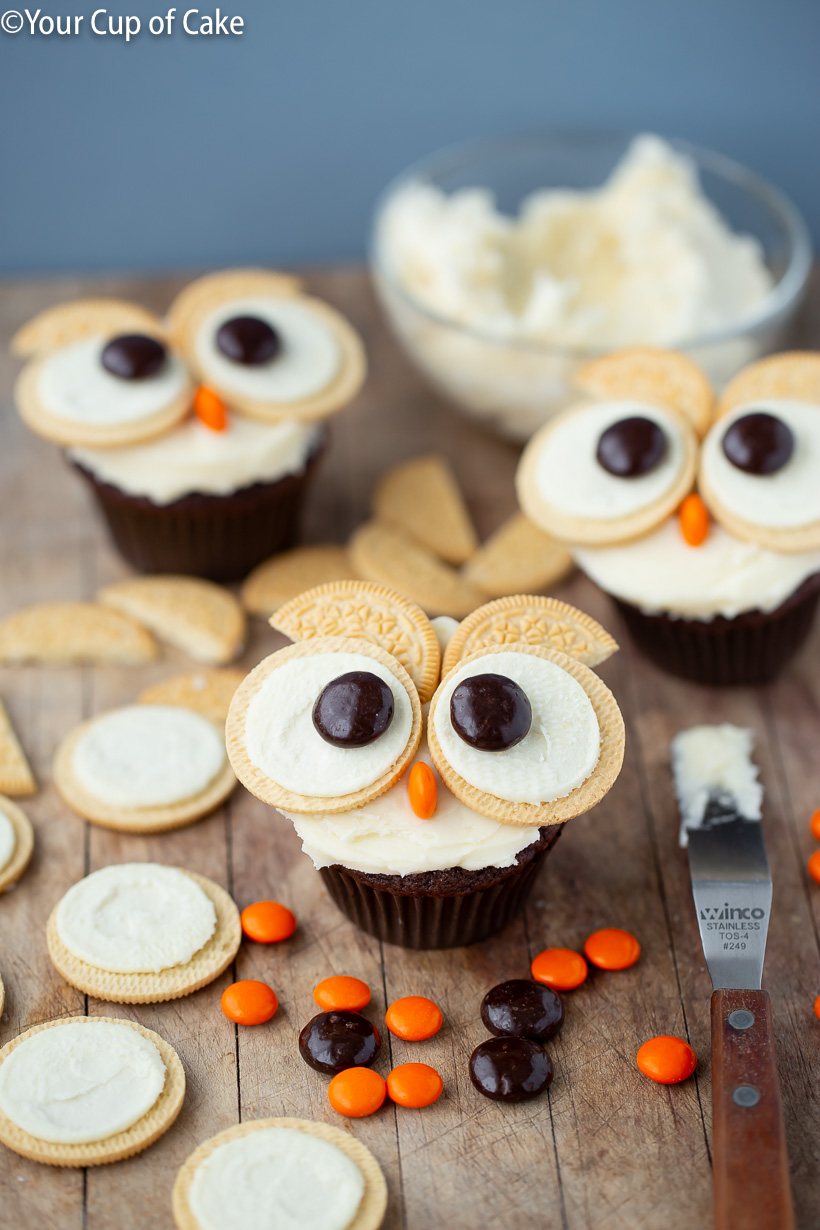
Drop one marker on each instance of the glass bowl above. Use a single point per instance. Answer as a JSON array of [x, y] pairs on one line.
[[514, 386]]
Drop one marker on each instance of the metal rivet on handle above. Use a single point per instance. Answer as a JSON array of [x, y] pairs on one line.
[[746, 1095], [741, 1018]]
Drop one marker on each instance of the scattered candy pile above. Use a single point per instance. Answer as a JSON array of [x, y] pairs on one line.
[[814, 860]]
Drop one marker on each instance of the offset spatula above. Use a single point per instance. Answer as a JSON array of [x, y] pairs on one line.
[[720, 804]]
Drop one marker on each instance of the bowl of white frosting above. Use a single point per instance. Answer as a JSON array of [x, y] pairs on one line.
[[502, 267]]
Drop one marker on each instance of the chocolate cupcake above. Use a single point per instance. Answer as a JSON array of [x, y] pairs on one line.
[[197, 435], [720, 587], [429, 826]]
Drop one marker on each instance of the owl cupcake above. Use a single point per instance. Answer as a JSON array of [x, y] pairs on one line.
[[428, 794], [197, 434], [700, 519]]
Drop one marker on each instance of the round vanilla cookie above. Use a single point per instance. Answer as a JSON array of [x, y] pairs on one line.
[[580, 797], [320, 368], [794, 374], [68, 397], [204, 964], [194, 1182], [652, 374], [16, 842], [270, 721], [781, 511], [527, 619], [363, 609], [141, 1133], [144, 768], [567, 493]]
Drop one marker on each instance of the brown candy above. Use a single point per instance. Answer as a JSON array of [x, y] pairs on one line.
[[490, 712], [133, 356], [333, 1041], [354, 709], [248, 340], [631, 447], [759, 443], [523, 1008], [510, 1069]]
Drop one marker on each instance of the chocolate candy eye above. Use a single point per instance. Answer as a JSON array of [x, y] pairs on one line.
[[133, 356], [631, 447], [248, 340], [759, 443], [510, 1069], [353, 710], [524, 1008], [490, 712], [333, 1041]]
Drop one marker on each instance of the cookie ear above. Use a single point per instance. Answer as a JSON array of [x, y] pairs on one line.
[[794, 376], [659, 377], [369, 612], [202, 296], [531, 621], [71, 322]]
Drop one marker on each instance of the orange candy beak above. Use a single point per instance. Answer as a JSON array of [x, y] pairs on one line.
[[694, 520], [422, 789], [210, 409]]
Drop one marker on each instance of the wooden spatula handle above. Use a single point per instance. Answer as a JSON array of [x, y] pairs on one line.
[[750, 1161]]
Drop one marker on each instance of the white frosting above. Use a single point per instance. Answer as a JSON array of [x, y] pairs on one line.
[[307, 362], [560, 750], [192, 458], [570, 476], [714, 760], [73, 385], [81, 1082], [723, 576], [276, 1179], [386, 837], [148, 756], [283, 742], [135, 918], [646, 258], [8, 840], [785, 500], [445, 628]]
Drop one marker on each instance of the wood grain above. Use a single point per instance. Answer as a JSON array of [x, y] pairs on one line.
[[606, 1149]]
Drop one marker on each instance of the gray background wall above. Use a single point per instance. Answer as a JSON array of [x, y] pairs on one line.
[[183, 151]]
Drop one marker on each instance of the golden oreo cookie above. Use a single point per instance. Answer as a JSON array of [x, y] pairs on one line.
[[66, 633], [208, 692], [16, 776], [155, 988], [199, 617], [370, 612], [387, 556], [422, 498], [285, 576], [23, 843], [794, 375], [518, 559], [659, 377]]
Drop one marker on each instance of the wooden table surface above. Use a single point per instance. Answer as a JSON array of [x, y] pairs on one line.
[[606, 1147]]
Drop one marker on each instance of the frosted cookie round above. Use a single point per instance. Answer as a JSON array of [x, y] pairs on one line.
[[607, 471], [144, 768], [760, 473], [143, 933], [269, 350], [16, 842], [280, 1174], [103, 376], [82, 1091], [274, 740], [565, 755]]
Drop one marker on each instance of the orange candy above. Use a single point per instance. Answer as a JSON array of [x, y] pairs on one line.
[[357, 1092], [342, 994], [817, 1007], [694, 520], [667, 1060], [414, 1018], [268, 922], [559, 968], [815, 825], [414, 1084], [249, 1002], [422, 789], [814, 866], [210, 409], [612, 948]]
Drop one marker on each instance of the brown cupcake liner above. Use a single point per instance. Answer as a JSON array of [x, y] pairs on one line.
[[752, 648], [221, 537], [439, 909]]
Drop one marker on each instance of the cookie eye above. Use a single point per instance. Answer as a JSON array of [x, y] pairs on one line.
[[248, 340], [632, 447], [133, 356], [607, 472], [759, 443], [758, 474], [354, 709], [490, 712]]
